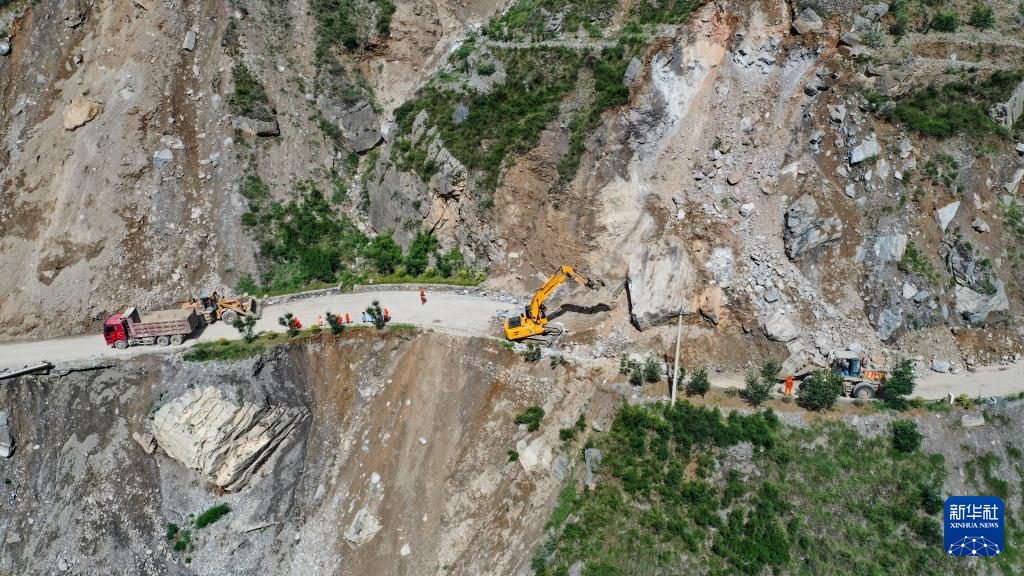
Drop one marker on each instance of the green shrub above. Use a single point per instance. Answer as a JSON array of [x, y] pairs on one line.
[[982, 17], [820, 390], [422, 246], [566, 434], [249, 98], [384, 253], [652, 369], [172, 531], [531, 417], [958, 107], [290, 323], [336, 323], [900, 383], [513, 456], [915, 262], [905, 436], [486, 69], [376, 314], [698, 383], [246, 326], [946, 21], [964, 401], [211, 515], [757, 389], [184, 541], [449, 263], [532, 352]]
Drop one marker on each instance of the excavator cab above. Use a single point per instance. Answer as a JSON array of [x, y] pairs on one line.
[[533, 321]]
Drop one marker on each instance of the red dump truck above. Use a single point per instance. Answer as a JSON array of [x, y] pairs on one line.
[[162, 327]]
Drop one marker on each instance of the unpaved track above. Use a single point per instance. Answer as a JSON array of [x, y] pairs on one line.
[[451, 313]]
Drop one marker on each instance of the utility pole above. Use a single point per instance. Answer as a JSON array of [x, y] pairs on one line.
[[675, 365]]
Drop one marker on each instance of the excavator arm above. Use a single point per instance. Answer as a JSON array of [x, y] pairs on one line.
[[533, 321], [554, 282]]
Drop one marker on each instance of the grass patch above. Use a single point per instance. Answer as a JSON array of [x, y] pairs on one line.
[[914, 262], [958, 107], [349, 24], [531, 417], [225, 349], [249, 98], [649, 510], [536, 18], [211, 515], [663, 11]]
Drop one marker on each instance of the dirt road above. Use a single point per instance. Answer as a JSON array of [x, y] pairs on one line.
[[451, 313]]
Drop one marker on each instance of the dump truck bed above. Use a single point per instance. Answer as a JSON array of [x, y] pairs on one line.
[[164, 323], [174, 315]]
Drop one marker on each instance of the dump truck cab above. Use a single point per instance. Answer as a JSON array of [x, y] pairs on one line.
[[115, 333]]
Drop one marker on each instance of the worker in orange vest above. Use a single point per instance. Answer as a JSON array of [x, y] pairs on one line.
[[296, 323], [423, 296], [347, 319], [387, 315], [789, 385], [320, 321]]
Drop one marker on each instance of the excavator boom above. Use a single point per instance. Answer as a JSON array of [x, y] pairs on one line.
[[534, 320]]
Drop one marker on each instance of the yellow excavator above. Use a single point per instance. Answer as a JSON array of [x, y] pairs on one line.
[[534, 320]]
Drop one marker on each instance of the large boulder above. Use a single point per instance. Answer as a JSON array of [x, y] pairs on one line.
[[808, 21], [661, 283], [592, 458], [889, 321], [869, 148], [358, 122], [79, 112], [6, 438], [806, 229], [890, 248], [780, 327], [975, 308], [253, 127], [1006, 113], [227, 443], [946, 214]]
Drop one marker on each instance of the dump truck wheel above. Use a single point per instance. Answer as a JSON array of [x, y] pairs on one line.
[[863, 391], [176, 339], [162, 340], [229, 316], [121, 344]]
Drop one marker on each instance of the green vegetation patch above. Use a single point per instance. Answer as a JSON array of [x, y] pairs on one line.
[[958, 107], [225, 349], [249, 98], [211, 515], [915, 262], [350, 24], [667, 503], [536, 19], [502, 123], [663, 11]]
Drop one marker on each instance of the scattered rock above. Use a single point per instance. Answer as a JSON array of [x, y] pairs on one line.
[[364, 527], [660, 283], [946, 214], [940, 366], [190, 41], [890, 248], [851, 190], [850, 39], [5, 48], [460, 113], [710, 303], [592, 458], [254, 127], [1006, 113], [808, 21], [1020, 148], [980, 225], [358, 122], [889, 321], [406, 550], [780, 327], [837, 113], [6, 437], [577, 568], [746, 209], [79, 112], [806, 230], [733, 179], [227, 443], [909, 290], [146, 440], [632, 71], [972, 420], [975, 307], [162, 157], [866, 149], [874, 11], [767, 185]]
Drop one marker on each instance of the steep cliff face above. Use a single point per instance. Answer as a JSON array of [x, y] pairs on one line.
[[397, 462]]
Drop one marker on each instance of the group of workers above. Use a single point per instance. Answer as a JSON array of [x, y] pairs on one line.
[[364, 318]]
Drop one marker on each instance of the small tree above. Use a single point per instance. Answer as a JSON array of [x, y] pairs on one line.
[[946, 21], [699, 383], [384, 253], [982, 17], [420, 249], [652, 369], [532, 353], [291, 323], [820, 390], [770, 369], [900, 383], [376, 314], [531, 417], [246, 326], [449, 263], [905, 436], [758, 389], [335, 322]]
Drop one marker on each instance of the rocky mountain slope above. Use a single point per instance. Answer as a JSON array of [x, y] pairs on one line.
[[822, 176]]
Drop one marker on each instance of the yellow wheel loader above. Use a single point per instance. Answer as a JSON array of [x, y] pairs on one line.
[[533, 321], [214, 307]]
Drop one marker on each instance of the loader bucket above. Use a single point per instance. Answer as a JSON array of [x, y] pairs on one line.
[[255, 308]]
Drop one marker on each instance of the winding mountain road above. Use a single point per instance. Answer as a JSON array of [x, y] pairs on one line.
[[459, 314]]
